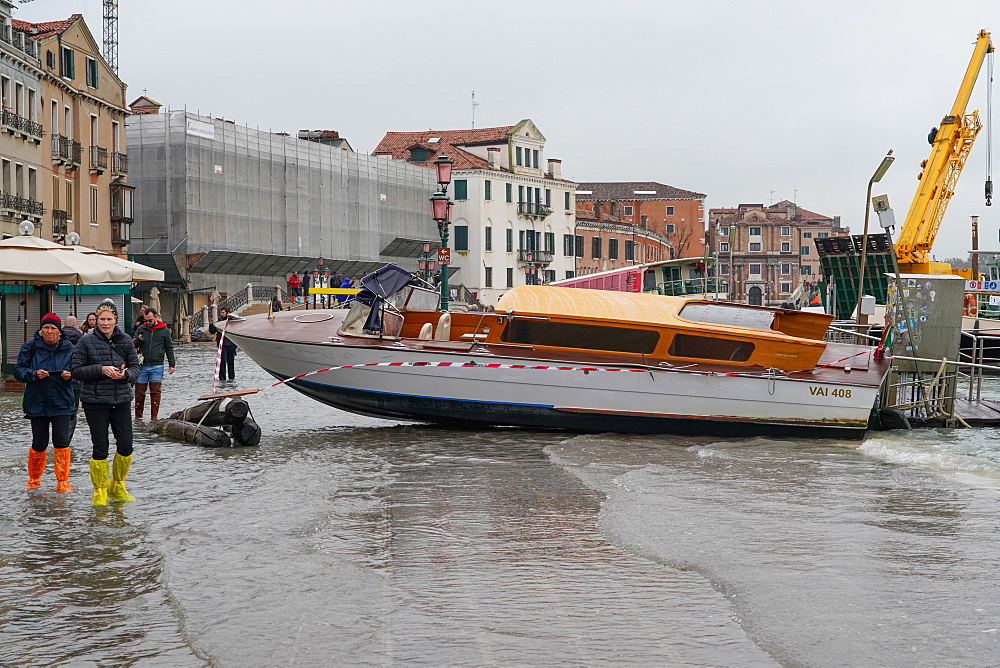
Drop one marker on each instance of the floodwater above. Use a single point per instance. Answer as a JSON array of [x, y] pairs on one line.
[[344, 540]]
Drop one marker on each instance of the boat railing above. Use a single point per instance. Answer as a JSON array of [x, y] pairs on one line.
[[848, 331], [926, 389], [982, 349]]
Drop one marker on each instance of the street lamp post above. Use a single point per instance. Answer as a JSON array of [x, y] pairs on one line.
[[425, 263], [441, 213], [876, 177]]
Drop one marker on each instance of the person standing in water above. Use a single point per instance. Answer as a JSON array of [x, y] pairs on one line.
[[106, 362], [43, 365], [153, 342]]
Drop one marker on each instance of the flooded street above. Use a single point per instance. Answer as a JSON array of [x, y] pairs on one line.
[[344, 540]]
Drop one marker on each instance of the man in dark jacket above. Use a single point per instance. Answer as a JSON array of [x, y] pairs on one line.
[[73, 334], [70, 330], [228, 362], [106, 361], [43, 365], [153, 340]]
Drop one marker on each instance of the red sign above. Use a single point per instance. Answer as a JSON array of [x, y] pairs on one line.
[[444, 256]]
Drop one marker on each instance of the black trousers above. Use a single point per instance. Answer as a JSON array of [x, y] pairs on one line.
[[40, 432], [119, 418], [228, 362], [75, 415]]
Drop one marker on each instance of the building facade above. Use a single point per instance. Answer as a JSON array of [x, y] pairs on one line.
[[79, 184], [669, 222], [22, 161], [219, 205], [514, 216], [768, 253], [608, 243]]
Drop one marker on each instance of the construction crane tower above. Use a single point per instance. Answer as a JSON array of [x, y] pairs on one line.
[[111, 34]]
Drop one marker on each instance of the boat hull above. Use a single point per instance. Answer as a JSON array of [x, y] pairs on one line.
[[588, 400]]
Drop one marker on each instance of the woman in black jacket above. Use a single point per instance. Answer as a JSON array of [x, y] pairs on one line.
[[106, 361]]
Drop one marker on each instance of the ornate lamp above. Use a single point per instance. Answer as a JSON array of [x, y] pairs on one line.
[[442, 169]]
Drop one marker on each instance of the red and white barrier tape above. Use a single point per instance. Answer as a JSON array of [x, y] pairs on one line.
[[485, 365]]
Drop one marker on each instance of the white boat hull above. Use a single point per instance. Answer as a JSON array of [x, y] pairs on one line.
[[586, 400]]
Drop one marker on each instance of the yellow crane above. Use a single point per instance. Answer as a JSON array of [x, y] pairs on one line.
[[950, 146]]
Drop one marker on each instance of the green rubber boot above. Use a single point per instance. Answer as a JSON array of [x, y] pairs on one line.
[[119, 471], [99, 476]]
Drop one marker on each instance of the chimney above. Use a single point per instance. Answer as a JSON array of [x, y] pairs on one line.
[[493, 157], [555, 168]]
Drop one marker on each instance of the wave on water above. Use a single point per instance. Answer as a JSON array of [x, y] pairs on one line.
[[972, 454]]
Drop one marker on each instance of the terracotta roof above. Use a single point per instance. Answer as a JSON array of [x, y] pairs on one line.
[[398, 144], [803, 214], [624, 191], [46, 28]]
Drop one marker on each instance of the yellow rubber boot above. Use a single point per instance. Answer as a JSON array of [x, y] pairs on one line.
[[119, 471], [99, 476], [60, 462], [36, 467]]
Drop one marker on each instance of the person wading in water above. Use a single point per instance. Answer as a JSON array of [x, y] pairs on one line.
[[106, 362], [153, 341], [43, 365]]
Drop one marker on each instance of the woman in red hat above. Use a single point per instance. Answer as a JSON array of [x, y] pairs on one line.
[[43, 365]]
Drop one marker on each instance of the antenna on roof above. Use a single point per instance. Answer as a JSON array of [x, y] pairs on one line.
[[772, 198], [474, 105]]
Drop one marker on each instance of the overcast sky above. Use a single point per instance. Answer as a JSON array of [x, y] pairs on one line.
[[745, 101]]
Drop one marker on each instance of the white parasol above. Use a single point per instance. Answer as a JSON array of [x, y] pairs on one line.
[[140, 272], [154, 298], [38, 261]]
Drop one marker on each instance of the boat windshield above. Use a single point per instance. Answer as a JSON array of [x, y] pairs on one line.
[[729, 314]]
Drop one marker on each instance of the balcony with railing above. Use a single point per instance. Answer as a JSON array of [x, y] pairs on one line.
[[535, 256], [119, 164], [67, 152], [533, 209], [60, 222], [98, 159], [15, 124], [20, 205], [19, 41]]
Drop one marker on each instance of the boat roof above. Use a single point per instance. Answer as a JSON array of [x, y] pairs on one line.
[[592, 304], [660, 310]]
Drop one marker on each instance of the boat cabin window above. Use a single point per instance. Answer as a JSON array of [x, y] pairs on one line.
[[584, 337], [709, 348], [728, 314]]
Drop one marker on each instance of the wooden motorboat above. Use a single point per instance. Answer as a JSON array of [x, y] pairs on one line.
[[570, 358]]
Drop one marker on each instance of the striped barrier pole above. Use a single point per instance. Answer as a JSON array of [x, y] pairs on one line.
[[218, 358]]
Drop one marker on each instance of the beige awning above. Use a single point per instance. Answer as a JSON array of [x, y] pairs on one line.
[[140, 272], [38, 261]]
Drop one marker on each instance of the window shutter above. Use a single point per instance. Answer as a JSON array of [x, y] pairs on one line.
[[461, 237]]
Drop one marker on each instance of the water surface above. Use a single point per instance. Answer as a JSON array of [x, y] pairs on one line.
[[350, 540]]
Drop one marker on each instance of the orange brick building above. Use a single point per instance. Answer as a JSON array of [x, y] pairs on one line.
[[664, 216]]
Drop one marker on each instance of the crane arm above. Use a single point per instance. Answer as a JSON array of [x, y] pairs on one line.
[[951, 144]]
